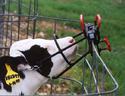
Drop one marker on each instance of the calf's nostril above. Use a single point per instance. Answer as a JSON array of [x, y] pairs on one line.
[[71, 41]]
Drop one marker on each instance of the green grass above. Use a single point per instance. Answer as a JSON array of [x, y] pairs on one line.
[[113, 26]]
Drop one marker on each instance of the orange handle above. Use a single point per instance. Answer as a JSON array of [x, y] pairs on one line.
[[107, 43], [82, 23], [98, 20]]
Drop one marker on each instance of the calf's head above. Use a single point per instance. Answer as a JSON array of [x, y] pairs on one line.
[[47, 63], [59, 63]]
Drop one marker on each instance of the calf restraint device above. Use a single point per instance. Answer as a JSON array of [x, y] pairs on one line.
[[89, 32]]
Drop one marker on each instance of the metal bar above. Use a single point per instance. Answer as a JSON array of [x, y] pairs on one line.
[[7, 26], [83, 55], [35, 16], [28, 21], [11, 38], [84, 89], [2, 9], [103, 79], [95, 65], [44, 17], [19, 17], [93, 74]]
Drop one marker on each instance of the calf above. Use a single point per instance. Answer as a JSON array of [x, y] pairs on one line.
[[25, 55]]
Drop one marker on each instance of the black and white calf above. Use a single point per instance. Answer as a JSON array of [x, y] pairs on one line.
[[29, 53]]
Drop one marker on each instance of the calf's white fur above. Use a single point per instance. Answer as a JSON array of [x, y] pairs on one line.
[[33, 79]]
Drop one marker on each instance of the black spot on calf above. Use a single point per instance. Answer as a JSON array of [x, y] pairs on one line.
[[37, 55]]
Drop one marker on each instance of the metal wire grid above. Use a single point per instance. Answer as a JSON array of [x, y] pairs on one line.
[[93, 67], [16, 18]]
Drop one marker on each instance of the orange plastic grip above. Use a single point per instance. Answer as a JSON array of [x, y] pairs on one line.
[[107, 43], [82, 23], [98, 20]]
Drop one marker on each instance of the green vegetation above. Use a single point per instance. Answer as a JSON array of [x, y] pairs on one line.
[[113, 26]]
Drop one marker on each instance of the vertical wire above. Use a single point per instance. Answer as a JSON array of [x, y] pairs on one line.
[[10, 34], [83, 76], [103, 79], [3, 9], [35, 16], [52, 92], [11, 20], [7, 25], [90, 85], [55, 29], [19, 16], [2, 12], [96, 71], [84, 90], [1, 23], [29, 14]]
